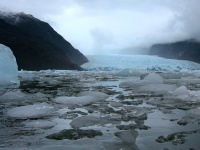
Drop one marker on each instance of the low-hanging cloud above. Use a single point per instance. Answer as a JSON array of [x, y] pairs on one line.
[[99, 27]]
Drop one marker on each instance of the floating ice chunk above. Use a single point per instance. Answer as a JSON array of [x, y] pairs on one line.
[[128, 137], [43, 124], [170, 75], [30, 111], [182, 90], [39, 95], [116, 104], [85, 121], [183, 94], [82, 100], [182, 81], [98, 95], [156, 88], [154, 78], [130, 72], [8, 67], [50, 81], [81, 144], [148, 87], [136, 112], [27, 75], [12, 96], [128, 84], [54, 82], [195, 112], [195, 95]]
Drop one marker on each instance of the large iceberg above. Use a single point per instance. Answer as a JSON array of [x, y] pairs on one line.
[[8, 67]]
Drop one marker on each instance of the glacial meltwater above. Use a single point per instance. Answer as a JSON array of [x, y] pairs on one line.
[[117, 103]]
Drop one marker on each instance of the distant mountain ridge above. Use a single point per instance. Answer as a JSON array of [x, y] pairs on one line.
[[36, 45], [183, 50]]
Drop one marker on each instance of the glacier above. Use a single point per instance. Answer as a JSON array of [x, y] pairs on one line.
[[8, 67], [141, 62]]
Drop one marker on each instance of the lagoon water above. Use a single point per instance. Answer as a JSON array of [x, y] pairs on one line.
[[118, 102]]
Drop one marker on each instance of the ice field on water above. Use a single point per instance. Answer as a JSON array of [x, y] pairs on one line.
[[118, 102]]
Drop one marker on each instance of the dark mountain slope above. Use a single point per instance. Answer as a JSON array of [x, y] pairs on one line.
[[184, 50], [36, 45]]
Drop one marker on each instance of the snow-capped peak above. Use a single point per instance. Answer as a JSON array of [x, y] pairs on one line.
[[15, 18]]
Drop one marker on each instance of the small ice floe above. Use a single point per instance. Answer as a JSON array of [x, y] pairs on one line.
[[143, 87], [54, 82], [152, 82], [137, 112], [195, 95], [85, 121], [43, 124], [13, 96], [153, 78], [182, 93], [80, 144], [194, 112], [49, 81], [116, 104], [156, 88], [130, 72], [27, 75], [100, 95], [84, 98], [171, 75], [183, 81], [30, 111], [182, 90], [16, 96], [127, 137]]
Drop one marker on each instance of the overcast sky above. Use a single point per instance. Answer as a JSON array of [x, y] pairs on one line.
[[109, 26]]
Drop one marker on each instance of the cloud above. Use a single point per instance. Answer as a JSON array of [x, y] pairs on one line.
[[102, 40], [96, 26]]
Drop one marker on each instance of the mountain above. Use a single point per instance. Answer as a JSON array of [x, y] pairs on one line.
[[183, 50], [36, 45]]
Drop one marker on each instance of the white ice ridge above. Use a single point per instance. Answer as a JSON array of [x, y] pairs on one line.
[[8, 67]]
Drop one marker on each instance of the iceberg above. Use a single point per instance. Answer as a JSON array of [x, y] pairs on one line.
[[182, 90], [8, 67], [43, 124], [84, 98], [86, 121], [154, 78], [30, 111], [13, 96], [194, 112], [130, 72], [127, 137]]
